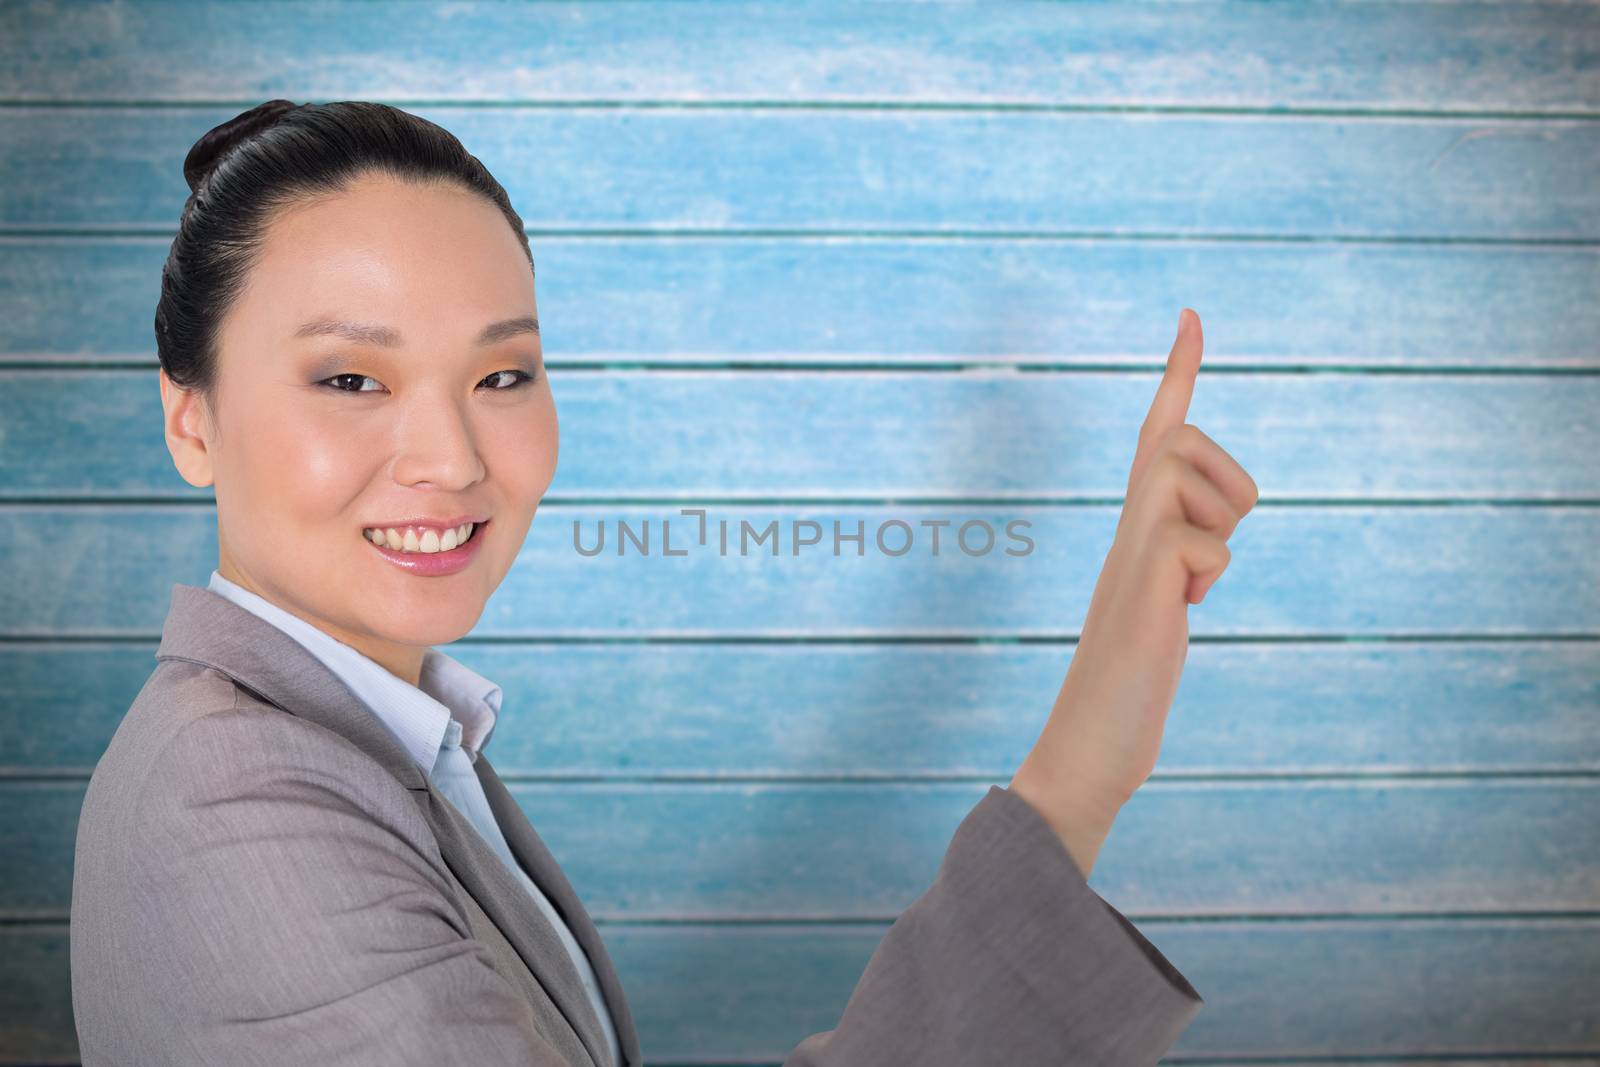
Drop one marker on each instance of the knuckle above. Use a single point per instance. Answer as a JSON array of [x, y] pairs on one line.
[[1209, 544], [1170, 466], [1172, 531]]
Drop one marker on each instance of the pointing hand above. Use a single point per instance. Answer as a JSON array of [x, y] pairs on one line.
[[1185, 495]]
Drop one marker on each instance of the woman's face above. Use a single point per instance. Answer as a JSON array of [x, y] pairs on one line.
[[322, 434]]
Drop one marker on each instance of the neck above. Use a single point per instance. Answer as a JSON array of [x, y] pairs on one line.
[[402, 661]]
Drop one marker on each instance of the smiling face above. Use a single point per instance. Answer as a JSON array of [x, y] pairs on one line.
[[322, 433]]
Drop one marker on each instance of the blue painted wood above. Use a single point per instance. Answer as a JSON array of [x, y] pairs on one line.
[[36, 995], [744, 993], [1437, 57], [1445, 570], [1351, 188], [818, 171], [1383, 846], [1273, 989], [899, 300], [989, 433], [865, 711]]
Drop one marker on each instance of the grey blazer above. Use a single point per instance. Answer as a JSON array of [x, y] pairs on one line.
[[263, 876]]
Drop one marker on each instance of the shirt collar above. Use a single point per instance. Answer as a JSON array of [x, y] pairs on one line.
[[418, 715]]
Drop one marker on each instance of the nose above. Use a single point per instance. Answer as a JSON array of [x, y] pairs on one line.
[[436, 445]]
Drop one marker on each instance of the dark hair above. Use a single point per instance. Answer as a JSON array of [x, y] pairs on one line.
[[276, 154]]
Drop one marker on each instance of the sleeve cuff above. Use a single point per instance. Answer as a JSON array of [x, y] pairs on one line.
[[1104, 987]]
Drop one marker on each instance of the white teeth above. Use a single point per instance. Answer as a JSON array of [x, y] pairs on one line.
[[429, 540]]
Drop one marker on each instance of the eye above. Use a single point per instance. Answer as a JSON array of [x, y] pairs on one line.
[[342, 377], [519, 379]]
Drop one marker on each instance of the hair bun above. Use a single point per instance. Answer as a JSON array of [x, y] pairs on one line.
[[217, 141]]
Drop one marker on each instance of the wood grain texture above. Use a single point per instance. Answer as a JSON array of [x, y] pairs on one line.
[[96, 434], [923, 262], [1436, 57], [862, 711], [747, 169], [939, 300], [1316, 570], [856, 851], [1290, 988]]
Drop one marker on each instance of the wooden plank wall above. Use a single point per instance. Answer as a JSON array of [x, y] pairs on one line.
[[864, 263]]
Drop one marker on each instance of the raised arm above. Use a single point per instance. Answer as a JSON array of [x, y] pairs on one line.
[[1010, 957], [1184, 498]]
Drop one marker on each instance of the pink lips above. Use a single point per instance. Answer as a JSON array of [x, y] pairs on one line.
[[424, 520], [435, 564]]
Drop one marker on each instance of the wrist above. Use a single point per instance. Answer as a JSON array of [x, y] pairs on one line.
[[1082, 819]]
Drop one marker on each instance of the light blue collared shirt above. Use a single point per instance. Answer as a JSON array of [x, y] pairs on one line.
[[450, 713]]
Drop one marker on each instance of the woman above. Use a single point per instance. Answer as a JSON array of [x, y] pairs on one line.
[[295, 850]]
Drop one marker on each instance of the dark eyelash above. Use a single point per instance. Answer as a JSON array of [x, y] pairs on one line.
[[523, 378]]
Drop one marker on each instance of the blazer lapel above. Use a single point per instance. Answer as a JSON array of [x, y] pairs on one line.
[[504, 900], [542, 867], [207, 628]]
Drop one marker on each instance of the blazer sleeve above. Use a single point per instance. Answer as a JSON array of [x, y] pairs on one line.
[[250, 942], [1008, 957], [255, 945]]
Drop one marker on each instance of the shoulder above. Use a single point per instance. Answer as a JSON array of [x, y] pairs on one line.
[[194, 737], [212, 790], [247, 877]]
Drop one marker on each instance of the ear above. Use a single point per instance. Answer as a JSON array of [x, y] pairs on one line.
[[185, 425]]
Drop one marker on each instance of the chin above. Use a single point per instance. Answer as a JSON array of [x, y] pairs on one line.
[[431, 619]]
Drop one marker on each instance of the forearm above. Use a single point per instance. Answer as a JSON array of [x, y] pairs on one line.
[[1080, 819]]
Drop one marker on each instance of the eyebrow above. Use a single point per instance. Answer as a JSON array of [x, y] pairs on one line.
[[371, 334]]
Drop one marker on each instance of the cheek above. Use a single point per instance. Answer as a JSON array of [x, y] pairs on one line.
[[521, 453], [308, 466]]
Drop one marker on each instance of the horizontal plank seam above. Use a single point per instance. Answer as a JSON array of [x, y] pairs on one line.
[[1276, 111], [23, 366], [76, 641], [17, 922], [798, 500], [66, 234], [16, 775], [1461, 1059]]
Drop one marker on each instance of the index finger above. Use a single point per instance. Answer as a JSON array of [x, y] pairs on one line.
[[1170, 407]]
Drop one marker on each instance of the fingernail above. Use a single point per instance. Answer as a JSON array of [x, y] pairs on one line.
[[1180, 320]]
